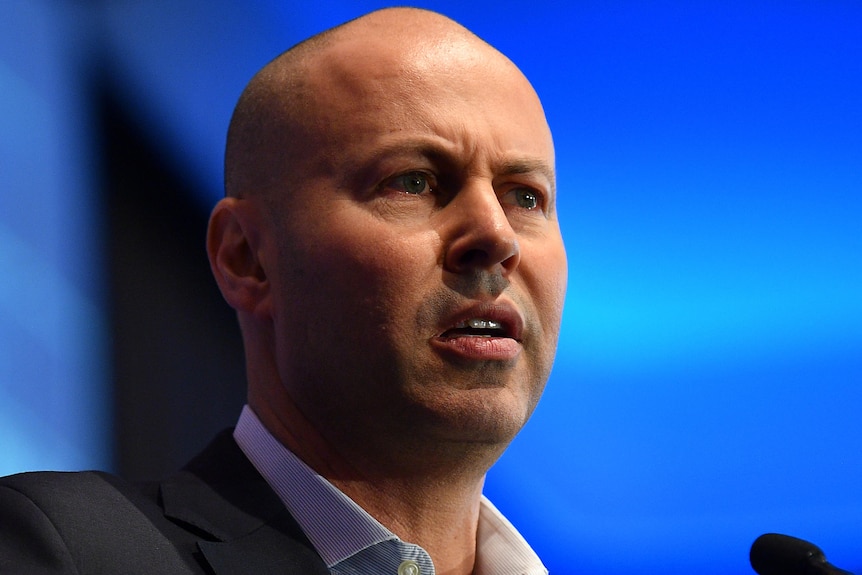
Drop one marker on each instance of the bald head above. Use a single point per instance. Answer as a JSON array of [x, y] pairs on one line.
[[284, 113]]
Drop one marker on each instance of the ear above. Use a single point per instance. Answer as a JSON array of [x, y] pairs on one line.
[[234, 249]]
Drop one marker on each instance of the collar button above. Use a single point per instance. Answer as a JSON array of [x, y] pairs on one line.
[[409, 568]]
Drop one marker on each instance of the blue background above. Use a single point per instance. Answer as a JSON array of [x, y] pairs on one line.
[[709, 379]]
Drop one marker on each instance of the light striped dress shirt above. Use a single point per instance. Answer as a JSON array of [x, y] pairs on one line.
[[352, 542]]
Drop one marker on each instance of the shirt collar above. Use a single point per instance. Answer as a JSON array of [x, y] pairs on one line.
[[339, 528]]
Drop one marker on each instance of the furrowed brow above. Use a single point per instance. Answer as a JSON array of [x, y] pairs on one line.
[[528, 166]]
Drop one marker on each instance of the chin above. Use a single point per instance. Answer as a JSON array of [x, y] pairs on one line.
[[490, 416]]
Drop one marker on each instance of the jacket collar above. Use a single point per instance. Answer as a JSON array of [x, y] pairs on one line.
[[245, 527]]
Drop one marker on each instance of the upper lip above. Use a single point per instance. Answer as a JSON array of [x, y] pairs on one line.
[[504, 313]]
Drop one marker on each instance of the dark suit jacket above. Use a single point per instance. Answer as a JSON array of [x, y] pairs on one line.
[[217, 515]]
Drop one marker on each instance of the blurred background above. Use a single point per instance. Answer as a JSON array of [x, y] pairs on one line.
[[709, 380]]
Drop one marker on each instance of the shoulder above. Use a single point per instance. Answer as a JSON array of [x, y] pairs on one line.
[[59, 486], [63, 496], [215, 515], [83, 522]]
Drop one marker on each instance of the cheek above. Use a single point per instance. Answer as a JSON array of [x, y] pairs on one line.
[[547, 276], [371, 272], [389, 256]]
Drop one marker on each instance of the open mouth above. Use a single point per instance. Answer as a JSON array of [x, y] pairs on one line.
[[477, 327], [482, 332]]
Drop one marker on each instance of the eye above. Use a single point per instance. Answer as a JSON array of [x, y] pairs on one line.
[[414, 183], [525, 198]]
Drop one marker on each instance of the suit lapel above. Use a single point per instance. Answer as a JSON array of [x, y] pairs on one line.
[[247, 528], [264, 552]]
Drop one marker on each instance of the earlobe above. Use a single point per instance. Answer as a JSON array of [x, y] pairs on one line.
[[233, 248]]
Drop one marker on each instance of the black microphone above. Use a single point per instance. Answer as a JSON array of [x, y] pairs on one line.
[[774, 554]]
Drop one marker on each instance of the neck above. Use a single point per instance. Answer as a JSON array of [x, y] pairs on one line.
[[435, 506]]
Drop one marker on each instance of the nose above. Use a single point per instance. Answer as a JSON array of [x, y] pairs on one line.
[[481, 238]]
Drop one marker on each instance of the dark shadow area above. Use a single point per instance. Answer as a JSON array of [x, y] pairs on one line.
[[178, 370]]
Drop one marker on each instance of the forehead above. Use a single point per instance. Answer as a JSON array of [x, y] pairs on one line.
[[454, 89]]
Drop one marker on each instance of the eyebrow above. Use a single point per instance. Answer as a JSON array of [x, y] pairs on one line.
[[435, 151], [529, 167]]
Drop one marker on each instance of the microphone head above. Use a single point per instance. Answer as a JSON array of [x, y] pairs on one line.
[[775, 554]]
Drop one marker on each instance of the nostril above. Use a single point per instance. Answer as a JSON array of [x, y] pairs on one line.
[[484, 254], [474, 258]]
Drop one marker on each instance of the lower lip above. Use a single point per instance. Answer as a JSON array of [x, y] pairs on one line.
[[479, 348]]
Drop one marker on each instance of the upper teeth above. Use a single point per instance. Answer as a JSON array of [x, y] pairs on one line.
[[481, 324]]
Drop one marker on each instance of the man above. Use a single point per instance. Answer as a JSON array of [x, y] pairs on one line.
[[390, 243]]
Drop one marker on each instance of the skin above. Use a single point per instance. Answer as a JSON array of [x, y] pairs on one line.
[[386, 181]]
